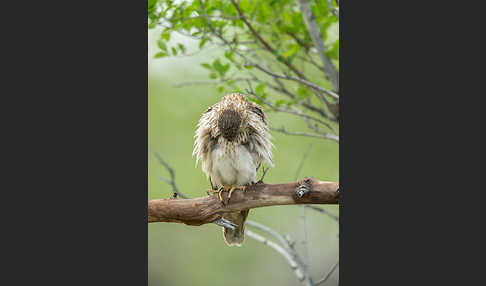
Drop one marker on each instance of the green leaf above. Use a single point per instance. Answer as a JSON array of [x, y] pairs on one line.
[[220, 89], [151, 3], [226, 67], [229, 55], [255, 100], [160, 55], [213, 75], [292, 50], [174, 51], [165, 35], [162, 45], [260, 88], [221, 69], [202, 42], [302, 92], [333, 51], [181, 48], [280, 102], [207, 66]]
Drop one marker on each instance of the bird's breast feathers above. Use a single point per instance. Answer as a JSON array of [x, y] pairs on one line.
[[231, 166]]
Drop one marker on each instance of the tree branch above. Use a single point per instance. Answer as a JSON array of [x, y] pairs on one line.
[[319, 135], [293, 264], [250, 63], [302, 81], [326, 212], [170, 181], [204, 210], [332, 9], [324, 279], [221, 222], [264, 43], [292, 110], [316, 36]]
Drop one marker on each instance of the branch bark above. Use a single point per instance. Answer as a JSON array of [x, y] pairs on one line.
[[199, 211]]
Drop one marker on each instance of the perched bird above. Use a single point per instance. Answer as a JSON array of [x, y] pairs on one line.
[[232, 141]]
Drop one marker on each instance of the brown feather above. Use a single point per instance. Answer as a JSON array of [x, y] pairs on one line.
[[236, 236]]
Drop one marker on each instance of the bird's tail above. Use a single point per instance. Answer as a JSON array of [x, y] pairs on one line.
[[237, 235]]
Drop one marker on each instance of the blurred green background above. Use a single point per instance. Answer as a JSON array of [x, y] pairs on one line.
[[197, 255]]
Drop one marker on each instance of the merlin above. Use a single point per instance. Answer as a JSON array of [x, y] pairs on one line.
[[232, 142]]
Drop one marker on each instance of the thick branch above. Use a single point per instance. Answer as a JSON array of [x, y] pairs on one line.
[[204, 210]]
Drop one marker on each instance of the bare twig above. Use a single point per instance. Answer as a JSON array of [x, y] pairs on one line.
[[302, 81], [170, 181], [305, 243], [291, 110], [306, 104], [279, 249], [270, 231], [316, 128], [316, 36], [305, 263], [324, 279], [288, 247], [324, 211], [284, 241], [325, 135]]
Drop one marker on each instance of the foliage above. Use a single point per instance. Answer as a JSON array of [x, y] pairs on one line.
[[269, 53]]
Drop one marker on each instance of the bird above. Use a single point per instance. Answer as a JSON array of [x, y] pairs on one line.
[[232, 141]]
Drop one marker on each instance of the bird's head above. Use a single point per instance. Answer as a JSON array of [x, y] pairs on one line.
[[234, 118], [231, 121]]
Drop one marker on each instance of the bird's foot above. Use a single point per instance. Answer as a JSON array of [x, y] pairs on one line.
[[243, 188], [229, 189], [220, 192]]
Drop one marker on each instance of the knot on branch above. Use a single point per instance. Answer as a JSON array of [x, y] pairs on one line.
[[304, 187]]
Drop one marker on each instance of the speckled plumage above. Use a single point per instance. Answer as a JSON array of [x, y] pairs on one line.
[[232, 141]]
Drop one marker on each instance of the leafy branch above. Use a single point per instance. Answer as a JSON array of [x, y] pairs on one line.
[[273, 45]]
